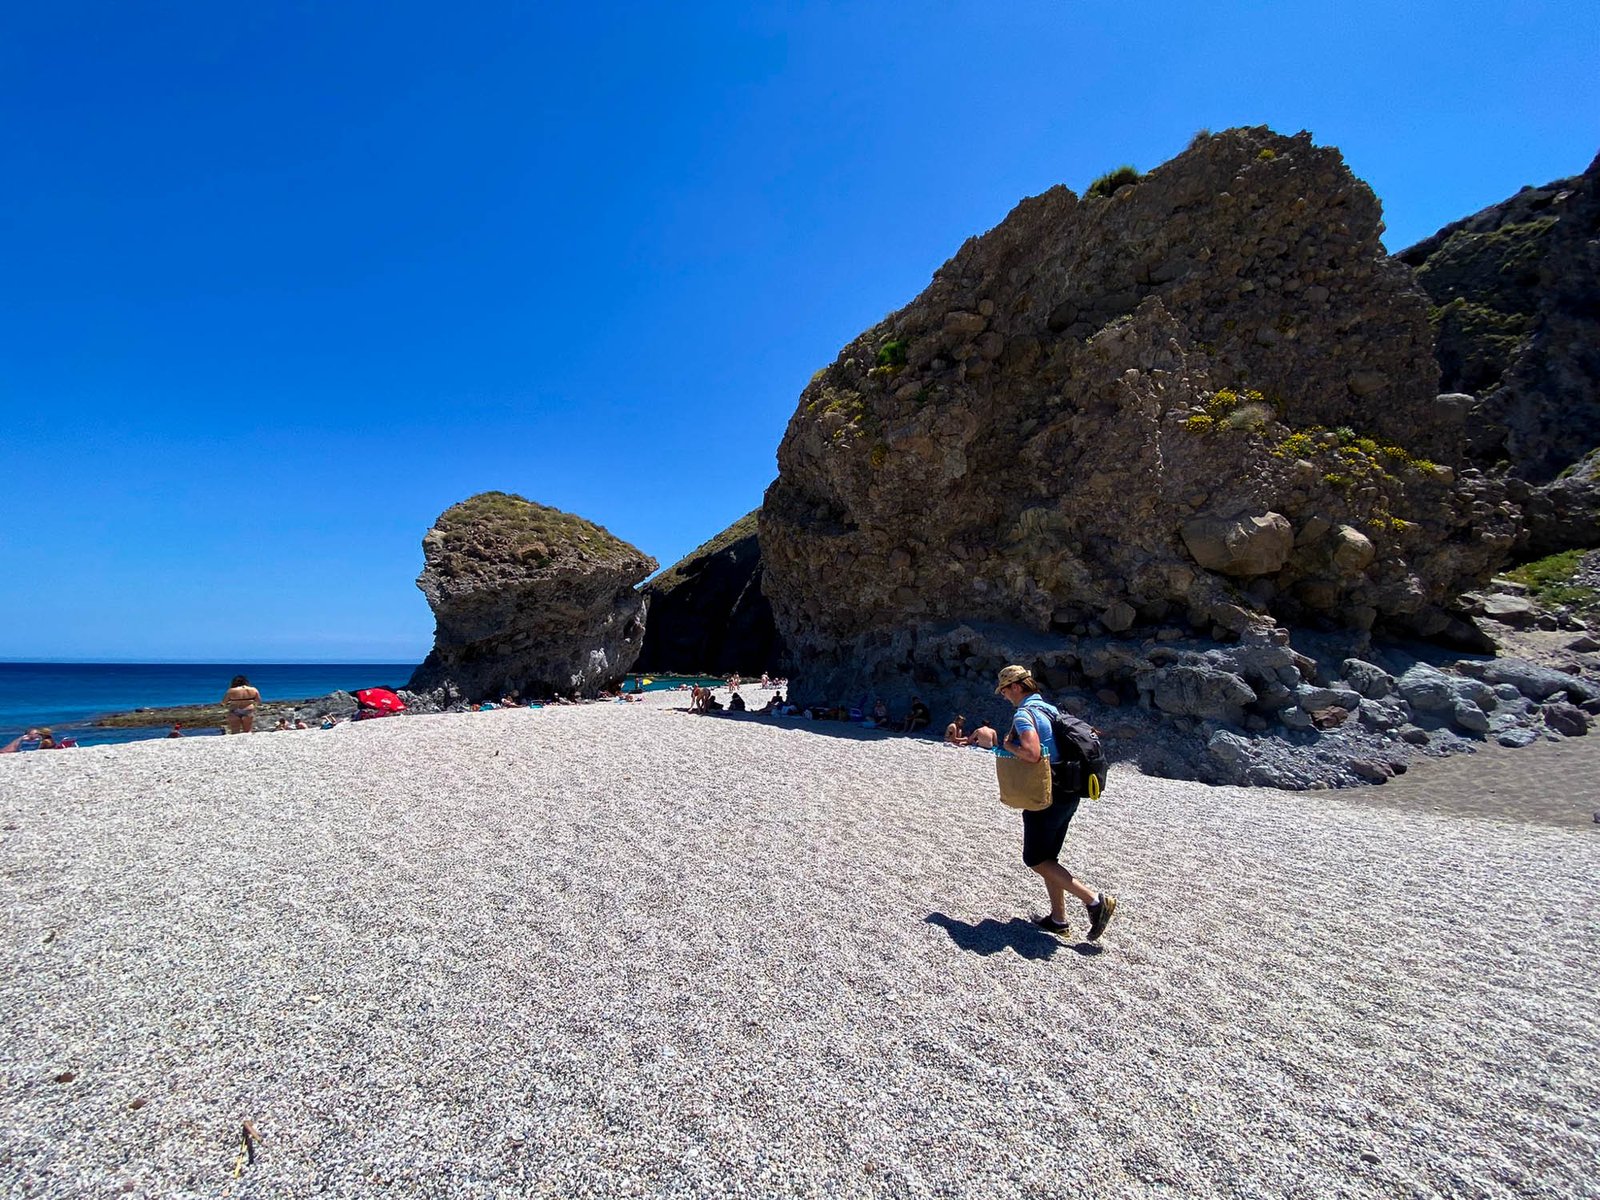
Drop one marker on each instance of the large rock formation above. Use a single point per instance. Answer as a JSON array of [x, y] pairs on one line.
[[527, 598], [1207, 402], [707, 612], [1516, 290]]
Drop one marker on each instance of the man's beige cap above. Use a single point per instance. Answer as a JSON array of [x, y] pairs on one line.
[[1012, 674]]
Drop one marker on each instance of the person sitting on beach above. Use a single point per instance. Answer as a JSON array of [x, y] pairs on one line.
[[766, 683], [509, 700], [736, 703], [880, 714], [176, 730], [733, 683], [917, 718], [24, 741], [240, 700], [328, 721], [984, 736], [283, 724], [300, 722], [955, 733]]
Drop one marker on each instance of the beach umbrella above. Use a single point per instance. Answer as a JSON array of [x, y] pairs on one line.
[[380, 698]]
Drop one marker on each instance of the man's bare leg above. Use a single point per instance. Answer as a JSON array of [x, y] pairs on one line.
[[1058, 881]]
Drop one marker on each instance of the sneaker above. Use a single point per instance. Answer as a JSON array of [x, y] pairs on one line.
[[1050, 925], [1100, 915]]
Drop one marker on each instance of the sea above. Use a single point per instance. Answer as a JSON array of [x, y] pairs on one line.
[[67, 697]]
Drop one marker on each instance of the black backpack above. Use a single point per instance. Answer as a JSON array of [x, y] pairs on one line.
[[1080, 746]]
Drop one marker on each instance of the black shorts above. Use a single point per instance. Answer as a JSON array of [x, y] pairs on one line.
[[1043, 832]]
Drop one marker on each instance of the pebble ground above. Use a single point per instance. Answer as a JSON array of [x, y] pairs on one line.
[[621, 950]]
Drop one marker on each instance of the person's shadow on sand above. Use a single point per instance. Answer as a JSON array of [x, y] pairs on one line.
[[989, 936]]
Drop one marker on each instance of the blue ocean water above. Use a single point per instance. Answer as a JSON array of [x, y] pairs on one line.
[[68, 696]]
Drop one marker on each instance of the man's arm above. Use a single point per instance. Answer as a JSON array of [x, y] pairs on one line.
[[1025, 746]]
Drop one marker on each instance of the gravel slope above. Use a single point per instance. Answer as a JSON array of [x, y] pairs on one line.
[[621, 950]]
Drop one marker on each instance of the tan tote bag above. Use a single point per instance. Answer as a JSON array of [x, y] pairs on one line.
[[1024, 785]]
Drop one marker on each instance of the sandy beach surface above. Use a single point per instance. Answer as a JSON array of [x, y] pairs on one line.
[[621, 950]]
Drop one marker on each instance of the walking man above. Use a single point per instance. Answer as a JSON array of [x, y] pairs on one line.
[[1043, 832]]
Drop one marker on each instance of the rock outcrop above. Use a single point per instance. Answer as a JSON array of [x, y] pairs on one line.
[[1516, 295], [527, 598], [708, 614], [1207, 403]]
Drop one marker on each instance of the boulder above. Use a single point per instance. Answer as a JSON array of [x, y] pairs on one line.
[[1199, 691], [1467, 715], [1371, 681], [1530, 679], [1370, 771], [1517, 611], [1097, 455], [1427, 689], [527, 598], [1566, 719], [1312, 698], [1352, 551], [1241, 546]]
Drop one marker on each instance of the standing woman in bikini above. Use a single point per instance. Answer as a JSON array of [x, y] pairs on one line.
[[240, 700]]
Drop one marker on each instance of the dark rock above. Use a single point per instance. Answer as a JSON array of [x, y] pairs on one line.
[[1372, 772], [1384, 714], [1296, 718], [1371, 681], [1329, 718], [1566, 719], [1427, 689], [1311, 698], [1532, 680], [527, 598], [1516, 611], [1133, 432], [1517, 738], [1467, 715], [708, 614], [1517, 294], [1197, 691], [1414, 736]]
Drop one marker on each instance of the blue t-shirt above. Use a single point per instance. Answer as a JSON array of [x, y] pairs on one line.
[[1034, 713]]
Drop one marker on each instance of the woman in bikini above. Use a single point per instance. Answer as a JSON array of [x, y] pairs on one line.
[[240, 700]]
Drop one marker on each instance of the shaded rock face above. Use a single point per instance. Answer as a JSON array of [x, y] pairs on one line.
[[1208, 400], [708, 614], [527, 598], [1516, 295]]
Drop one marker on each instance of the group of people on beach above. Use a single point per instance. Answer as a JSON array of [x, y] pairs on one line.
[[38, 739]]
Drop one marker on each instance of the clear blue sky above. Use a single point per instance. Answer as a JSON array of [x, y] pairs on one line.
[[283, 281]]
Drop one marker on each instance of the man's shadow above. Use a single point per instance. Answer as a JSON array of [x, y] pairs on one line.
[[990, 936]]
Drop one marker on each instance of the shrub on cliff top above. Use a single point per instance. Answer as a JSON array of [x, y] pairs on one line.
[[1112, 180], [527, 526]]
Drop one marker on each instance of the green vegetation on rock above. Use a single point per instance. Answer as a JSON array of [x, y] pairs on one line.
[[534, 532], [1108, 183], [1550, 581]]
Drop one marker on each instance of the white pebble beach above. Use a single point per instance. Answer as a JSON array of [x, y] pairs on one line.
[[623, 950]]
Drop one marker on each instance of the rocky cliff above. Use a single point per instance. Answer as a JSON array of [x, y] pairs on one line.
[[1201, 404], [1516, 296], [528, 598], [707, 611]]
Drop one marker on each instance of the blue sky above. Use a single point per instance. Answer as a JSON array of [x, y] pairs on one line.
[[283, 281]]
